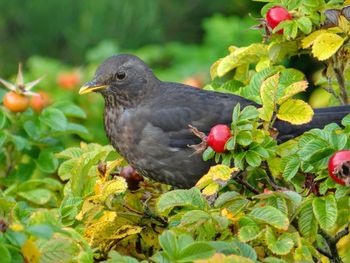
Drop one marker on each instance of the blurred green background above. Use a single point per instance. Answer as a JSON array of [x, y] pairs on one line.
[[179, 39]]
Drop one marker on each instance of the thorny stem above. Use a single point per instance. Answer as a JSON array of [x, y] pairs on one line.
[[332, 244], [238, 179]]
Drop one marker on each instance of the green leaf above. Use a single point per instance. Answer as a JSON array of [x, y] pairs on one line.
[[115, 257], [72, 152], [326, 211], [195, 251], [346, 120], [307, 222], [281, 245], [37, 196], [280, 50], [3, 137], [46, 161], [69, 109], [78, 129], [20, 143], [253, 159], [244, 138], [42, 231], [208, 154], [169, 244], [292, 167], [248, 113], [248, 233], [53, 118], [191, 198], [272, 216], [5, 254], [326, 45], [65, 169], [305, 24], [295, 112], [241, 56], [2, 119], [268, 93]]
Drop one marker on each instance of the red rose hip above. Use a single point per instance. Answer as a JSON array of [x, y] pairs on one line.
[[276, 15], [218, 136], [339, 167]]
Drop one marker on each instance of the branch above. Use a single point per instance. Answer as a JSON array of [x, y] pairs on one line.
[[271, 179], [332, 91], [342, 233], [243, 182], [332, 244], [339, 74]]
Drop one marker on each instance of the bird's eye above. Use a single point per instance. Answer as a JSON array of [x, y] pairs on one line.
[[120, 75]]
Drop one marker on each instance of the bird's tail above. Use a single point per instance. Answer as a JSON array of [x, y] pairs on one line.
[[321, 118]]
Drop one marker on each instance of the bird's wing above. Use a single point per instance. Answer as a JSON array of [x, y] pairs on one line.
[[175, 111]]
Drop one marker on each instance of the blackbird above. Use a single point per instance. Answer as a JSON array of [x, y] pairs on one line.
[[147, 120]]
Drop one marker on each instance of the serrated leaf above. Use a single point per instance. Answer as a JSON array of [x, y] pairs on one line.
[[240, 56], [72, 152], [325, 210], [292, 89], [305, 24], [291, 168], [281, 245], [268, 94], [195, 251], [295, 112], [64, 171], [253, 159], [310, 39], [307, 222], [244, 138], [220, 173], [248, 233], [272, 216], [46, 161], [113, 187], [326, 45], [191, 198], [279, 50], [208, 154]]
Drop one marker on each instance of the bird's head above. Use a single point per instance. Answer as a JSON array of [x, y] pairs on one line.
[[122, 76]]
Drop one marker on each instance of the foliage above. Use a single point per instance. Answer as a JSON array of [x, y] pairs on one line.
[[262, 202]]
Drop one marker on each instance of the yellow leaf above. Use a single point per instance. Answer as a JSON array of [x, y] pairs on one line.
[[344, 24], [16, 227], [268, 94], [326, 45], [211, 189], [126, 230], [214, 69], [309, 40], [113, 187], [240, 56], [30, 252], [222, 258], [295, 111], [293, 89], [346, 2]]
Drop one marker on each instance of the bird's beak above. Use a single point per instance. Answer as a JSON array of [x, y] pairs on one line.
[[91, 86]]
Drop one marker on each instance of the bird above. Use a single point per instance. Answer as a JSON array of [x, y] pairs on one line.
[[148, 121]]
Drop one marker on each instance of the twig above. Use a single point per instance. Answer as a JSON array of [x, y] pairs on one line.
[[332, 91], [324, 252], [271, 179], [332, 244], [342, 233], [339, 74], [243, 182]]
